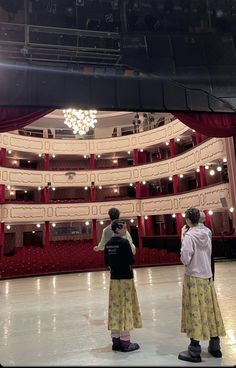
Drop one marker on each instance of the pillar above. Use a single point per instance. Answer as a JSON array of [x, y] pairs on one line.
[[46, 161], [46, 234], [149, 228], [202, 174], [172, 148], [198, 138], [231, 167], [208, 222], [45, 195], [93, 193], [138, 189], [179, 223], [3, 157], [175, 180], [135, 156], [92, 161], [140, 222], [2, 238], [2, 193], [94, 230]]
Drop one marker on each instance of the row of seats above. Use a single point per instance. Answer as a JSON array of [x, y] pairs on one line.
[[72, 257]]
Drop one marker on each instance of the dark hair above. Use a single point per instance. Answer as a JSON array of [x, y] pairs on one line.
[[114, 213], [193, 214], [117, 224]]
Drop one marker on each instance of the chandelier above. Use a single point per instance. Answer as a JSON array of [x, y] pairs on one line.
[[80, 120]]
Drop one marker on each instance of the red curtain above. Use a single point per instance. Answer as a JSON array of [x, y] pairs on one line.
[[13, 118], [211, 125]]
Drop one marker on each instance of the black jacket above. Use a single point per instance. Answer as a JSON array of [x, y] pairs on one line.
[[118, 255]]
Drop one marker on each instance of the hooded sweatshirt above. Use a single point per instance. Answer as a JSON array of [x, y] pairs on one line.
[[195, 253]]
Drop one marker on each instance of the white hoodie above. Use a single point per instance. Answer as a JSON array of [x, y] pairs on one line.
[[195, 253]]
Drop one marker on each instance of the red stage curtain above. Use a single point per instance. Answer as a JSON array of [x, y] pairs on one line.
[[211, 125], [13, 118]]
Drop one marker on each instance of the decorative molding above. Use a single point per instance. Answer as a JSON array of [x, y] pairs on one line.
[[96, 146], [213, 149], [204, 199]]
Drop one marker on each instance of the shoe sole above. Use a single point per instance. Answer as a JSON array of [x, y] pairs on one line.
[[186, 359]]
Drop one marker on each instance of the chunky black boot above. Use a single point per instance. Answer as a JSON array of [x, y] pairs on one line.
[[193, 354], [214, 347], [127, 346], [116, 345]]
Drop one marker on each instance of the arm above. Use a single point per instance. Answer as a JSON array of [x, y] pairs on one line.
[[186, 251], [101, 244], [130, 240], [127, 251]]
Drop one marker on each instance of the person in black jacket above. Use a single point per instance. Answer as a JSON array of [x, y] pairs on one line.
[[123, 312]]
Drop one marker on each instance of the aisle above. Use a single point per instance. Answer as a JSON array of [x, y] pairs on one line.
[[61, 320]]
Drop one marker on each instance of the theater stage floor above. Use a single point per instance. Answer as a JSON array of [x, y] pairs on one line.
[[61, 320]]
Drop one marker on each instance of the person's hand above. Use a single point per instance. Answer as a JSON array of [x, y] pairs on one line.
[[96, 248]]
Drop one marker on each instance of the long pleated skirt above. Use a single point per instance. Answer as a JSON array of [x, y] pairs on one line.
[[124, 312], [201, 316]]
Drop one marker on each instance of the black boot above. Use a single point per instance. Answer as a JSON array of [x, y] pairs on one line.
[[116, 345], [127, 346], [193, 354], [214, 347]]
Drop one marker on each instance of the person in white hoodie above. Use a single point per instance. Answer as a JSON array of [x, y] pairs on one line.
[[201, 316]]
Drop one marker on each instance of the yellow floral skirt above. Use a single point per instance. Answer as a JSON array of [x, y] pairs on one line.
[[201, 316], [124, 312]]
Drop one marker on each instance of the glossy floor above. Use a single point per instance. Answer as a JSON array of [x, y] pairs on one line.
[[61, 320]]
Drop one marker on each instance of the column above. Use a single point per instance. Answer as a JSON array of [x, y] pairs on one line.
[[175, 180], [46, 234], [94, 230], [93, 192], [45, 195], [2, 193], [140, 222], [92, 161], [3, 157], [198, 138], [2, 238], [202, 174], [149, 228], [135, 156], [172, 147], [138, 189], [231, 167], [46, 161], [208, 222], [179, 223]]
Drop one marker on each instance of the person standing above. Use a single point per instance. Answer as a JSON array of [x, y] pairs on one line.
[[201, 316], [123, 312], [107, 232]]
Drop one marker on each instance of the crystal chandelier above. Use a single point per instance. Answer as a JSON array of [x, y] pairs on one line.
[[80, 120]]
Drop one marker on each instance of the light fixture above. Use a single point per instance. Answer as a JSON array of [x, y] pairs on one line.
[[210, 212], [170, 178], [174, 215], [87, 223], [38, 225], [181, 176], [231, 209], [219, 168], [212, 172], [100, 187], [80, 120], [53, 224], [131, 220], [146, 217], [8, 227], [224, 159], [101, 222], [206, 167]]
